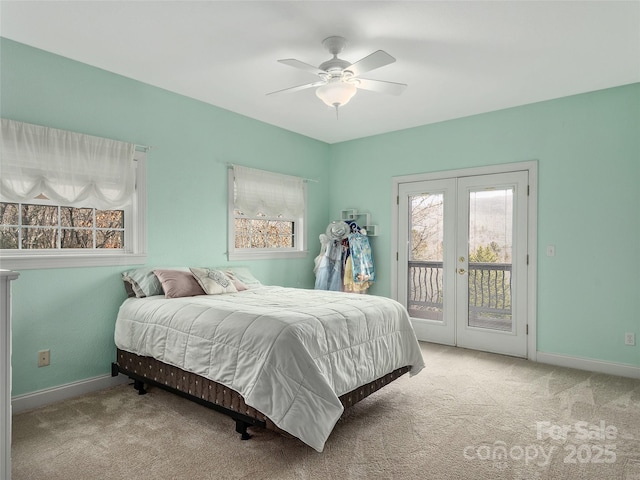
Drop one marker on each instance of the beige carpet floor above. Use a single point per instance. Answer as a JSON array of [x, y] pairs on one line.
[[468, 415]]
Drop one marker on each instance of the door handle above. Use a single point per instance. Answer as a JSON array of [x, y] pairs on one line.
[[461, 271]]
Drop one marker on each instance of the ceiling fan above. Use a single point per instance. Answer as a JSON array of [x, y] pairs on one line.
[[339, 79]]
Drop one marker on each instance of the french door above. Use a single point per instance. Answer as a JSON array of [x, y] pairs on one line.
[[462, 260]]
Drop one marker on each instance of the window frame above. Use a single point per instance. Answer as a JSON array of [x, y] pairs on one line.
[[299, 233], [135, 238]]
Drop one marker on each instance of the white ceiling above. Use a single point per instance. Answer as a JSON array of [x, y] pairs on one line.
[[458, 58]]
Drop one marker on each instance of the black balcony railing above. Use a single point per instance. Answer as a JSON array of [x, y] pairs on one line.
[[489, 293]]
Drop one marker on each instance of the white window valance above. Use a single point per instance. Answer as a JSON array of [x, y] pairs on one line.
[[69, 168], [267, 193]]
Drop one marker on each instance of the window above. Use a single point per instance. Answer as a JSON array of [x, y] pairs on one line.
[[25, 226], [263, 232], [69, 200], [266, 215]]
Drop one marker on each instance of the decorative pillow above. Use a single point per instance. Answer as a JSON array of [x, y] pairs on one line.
[[244, 275], [142, 282], [236, 283], [212, 281], [178, 283], [128, 288]]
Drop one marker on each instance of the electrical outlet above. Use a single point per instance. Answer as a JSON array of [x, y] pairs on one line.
[[44, 357], [630, 339]]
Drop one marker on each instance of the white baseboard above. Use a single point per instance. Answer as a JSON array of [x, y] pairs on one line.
[[600, 366], [20, 403]]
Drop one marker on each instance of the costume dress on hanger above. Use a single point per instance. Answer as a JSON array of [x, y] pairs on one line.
[[329, 262], [363, 272]]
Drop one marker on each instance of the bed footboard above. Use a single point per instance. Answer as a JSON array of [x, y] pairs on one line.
[[149, 371]]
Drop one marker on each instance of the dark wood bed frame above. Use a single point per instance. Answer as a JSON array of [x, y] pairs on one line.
[[149, 371]]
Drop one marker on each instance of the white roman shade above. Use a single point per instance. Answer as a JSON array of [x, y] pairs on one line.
[[271, 194], [69, 168]]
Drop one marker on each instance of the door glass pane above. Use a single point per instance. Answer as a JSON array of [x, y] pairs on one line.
[[426, 247], [490, 248]]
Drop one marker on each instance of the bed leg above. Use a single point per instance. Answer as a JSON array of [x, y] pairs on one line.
[[139, 385], [241, 428]]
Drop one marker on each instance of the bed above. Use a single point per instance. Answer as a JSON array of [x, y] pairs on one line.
[[287, 359]]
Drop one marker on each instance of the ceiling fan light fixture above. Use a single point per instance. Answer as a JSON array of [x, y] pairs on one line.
[[338, 79], [336, 93]]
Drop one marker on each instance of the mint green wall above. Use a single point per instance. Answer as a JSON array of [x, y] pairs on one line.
[[588, 148], [72, 311], [589, 171]]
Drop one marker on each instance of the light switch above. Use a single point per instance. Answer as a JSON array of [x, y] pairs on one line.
[[551, 250]]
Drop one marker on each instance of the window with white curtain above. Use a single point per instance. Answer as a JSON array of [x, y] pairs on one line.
[[68, 199], [267, 214]]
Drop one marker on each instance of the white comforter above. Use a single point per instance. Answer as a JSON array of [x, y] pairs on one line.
[[290, 352]]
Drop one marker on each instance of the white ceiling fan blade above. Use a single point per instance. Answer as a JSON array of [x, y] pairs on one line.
[[292, 62], [299, 87], [375, 60], [380, 86]]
